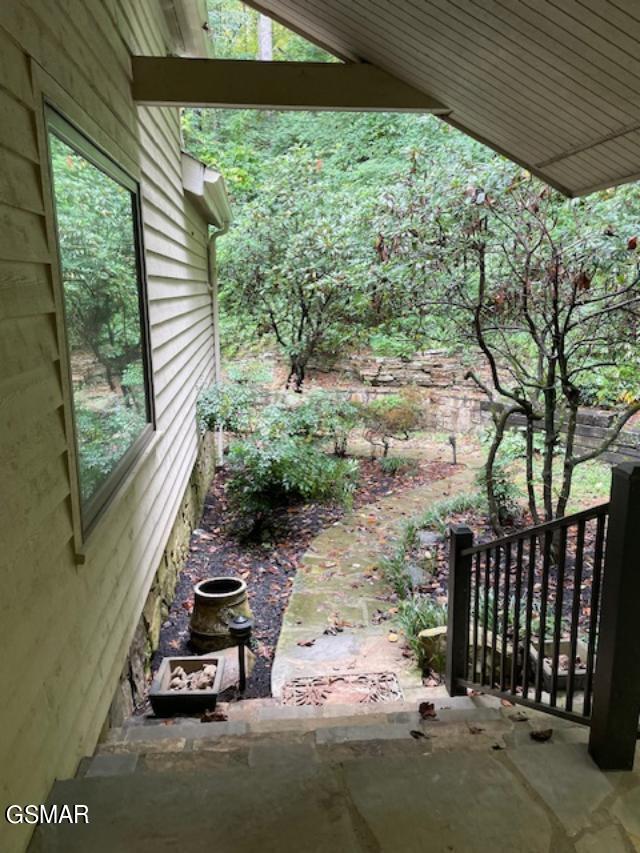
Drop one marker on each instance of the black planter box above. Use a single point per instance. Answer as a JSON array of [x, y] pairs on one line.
[[166, 702]]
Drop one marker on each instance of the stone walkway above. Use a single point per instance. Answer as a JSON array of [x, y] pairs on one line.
[[338, 585]]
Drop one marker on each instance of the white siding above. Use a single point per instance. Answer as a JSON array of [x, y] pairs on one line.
[[66, 628]]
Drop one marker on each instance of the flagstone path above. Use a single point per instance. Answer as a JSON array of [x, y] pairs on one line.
[[338, 585]]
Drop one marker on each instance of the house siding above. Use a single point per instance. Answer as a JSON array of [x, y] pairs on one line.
[[66, 627]]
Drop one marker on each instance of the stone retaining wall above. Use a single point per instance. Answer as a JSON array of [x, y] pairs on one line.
[[453, 403], [146, 638]]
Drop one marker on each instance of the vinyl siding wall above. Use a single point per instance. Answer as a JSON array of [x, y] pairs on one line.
[[65, 627]]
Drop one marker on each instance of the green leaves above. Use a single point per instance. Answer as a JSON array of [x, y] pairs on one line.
[[283, 459]]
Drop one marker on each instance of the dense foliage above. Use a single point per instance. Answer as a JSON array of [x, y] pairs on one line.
[[547, 291], [396, 232], [281, 452], [227, 406]]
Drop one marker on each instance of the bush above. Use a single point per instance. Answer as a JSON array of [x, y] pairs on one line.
[[227, 406], [272, 473], [417, 614], [392, 416], [395, 464], [319, 416], [281, 461]]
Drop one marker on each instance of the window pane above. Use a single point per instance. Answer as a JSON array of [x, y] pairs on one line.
[[97, 239]]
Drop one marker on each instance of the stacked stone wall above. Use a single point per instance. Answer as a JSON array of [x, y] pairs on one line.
[[132, 683]]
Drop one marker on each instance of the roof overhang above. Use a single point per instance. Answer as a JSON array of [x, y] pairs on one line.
[[552, 84], [207, 190]]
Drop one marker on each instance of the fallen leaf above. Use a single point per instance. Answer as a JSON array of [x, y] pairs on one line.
[[518, 717], [506, 703], [415, 733], [427, 711], [475, 730], [214, 717], [306, 643], [497, 746], [393, 638], [541, 735]]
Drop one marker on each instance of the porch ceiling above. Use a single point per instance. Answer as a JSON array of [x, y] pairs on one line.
[[552, 84]]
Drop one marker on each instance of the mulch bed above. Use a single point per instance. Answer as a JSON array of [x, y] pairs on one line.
[[268, 569]]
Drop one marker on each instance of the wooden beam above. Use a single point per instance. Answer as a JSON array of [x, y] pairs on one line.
[[237, 83]]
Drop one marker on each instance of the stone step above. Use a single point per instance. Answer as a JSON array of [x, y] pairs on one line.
[[159, 736], [461, 723], [331, 790]]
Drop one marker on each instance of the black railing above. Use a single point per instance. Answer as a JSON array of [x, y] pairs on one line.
[[527, 615]]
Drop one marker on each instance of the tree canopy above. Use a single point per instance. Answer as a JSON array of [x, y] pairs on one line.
[[396, 232]]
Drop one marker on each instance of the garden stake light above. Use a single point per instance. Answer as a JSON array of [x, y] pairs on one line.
[[240, 630]]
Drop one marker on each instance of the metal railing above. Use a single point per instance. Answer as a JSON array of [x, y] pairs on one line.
[[526, 616]]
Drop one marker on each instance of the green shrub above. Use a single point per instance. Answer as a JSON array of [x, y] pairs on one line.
[[272, 473], [318, 416], [253, 372], [395, 464], [392, 416], [229, 406], [417, 614], [395, 345]]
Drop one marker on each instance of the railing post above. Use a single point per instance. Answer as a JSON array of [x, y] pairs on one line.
[[461, 538], [616, 687]]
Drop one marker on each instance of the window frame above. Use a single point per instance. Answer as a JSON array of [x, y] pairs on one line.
[[59, 125]]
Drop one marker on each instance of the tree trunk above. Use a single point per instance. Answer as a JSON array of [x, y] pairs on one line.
[[567, 475], [265, 39], [500, 422], [297, 373], [531, 492], [550, 440]]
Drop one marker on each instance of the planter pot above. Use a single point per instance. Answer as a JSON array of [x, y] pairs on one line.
[[580, 669], [433, 644], [216, 602], [189, 700]]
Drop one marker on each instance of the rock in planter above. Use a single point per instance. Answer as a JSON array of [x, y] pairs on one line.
[[186, 686], [434, 647], [216, 602]]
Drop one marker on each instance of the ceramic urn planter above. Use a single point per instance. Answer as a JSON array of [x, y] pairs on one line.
[[216, 602]]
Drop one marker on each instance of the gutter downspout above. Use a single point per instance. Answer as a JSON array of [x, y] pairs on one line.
[[215, 318]]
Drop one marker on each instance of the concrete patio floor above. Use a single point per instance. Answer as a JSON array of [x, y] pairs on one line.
[[471, 782]]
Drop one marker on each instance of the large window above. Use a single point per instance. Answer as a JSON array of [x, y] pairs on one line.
[[97, 217]]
